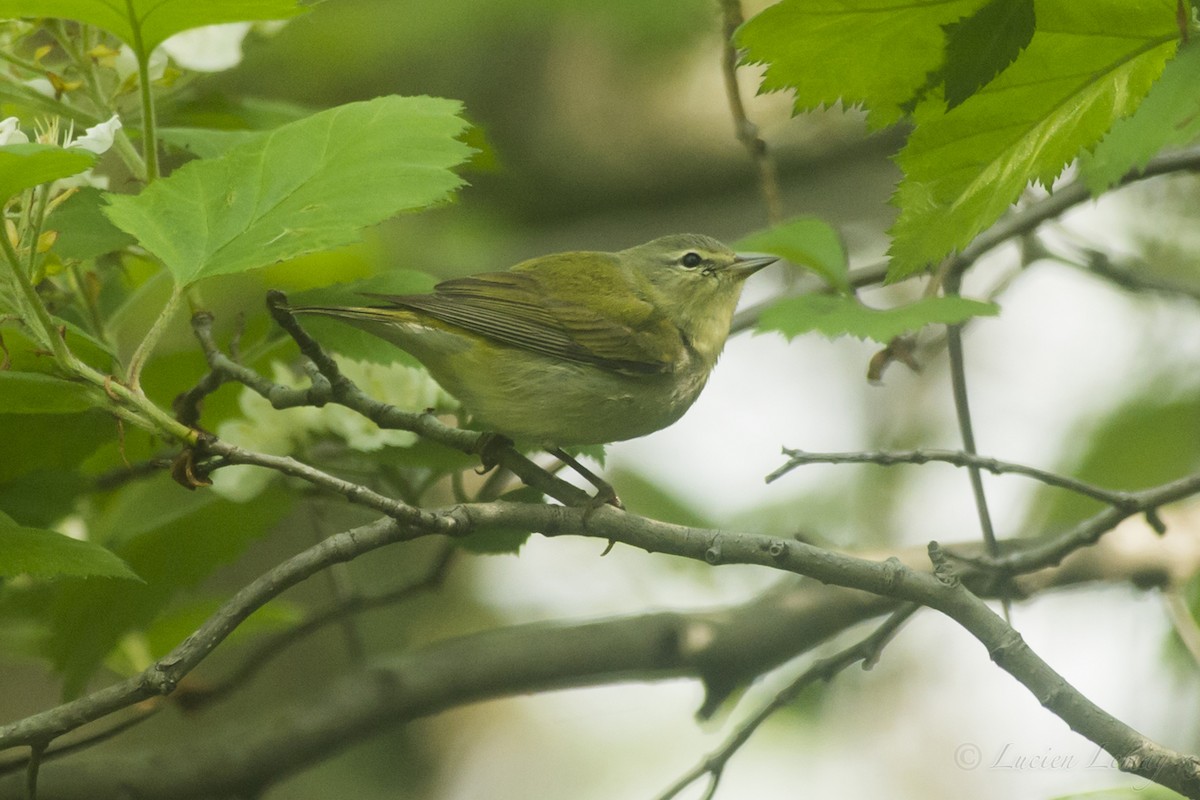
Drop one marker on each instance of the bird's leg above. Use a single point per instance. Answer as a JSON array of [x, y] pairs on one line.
[[605, 493], [488, 448]]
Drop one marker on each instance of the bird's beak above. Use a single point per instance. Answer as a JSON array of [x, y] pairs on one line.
[[746, 264]]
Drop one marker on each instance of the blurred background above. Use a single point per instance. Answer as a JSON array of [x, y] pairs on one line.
[[605, 123]]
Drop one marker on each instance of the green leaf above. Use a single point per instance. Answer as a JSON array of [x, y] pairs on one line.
[[50, 441], [206, 142], [807, 242], [502, 541], [1168, 117], [41, 498], [175, 625], [305, 186], [23, 166], [173, 539], [36, 393], [83, 231], [152, 21], [838, 315], [1088, 65], [347, 340], [830, 50], [981, 46], [1151, 439], [45, 554]]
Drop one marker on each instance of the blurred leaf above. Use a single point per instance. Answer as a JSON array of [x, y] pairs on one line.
[[502, 541], [347, 340], [45, 554], [1146, 442], [829, 50], [83, 231], [1088, 65], [643, 496], [981, 46], [175, 625], [41, 498], [170, 537], [806, 242], [306, 186], [1168, 117], [38, 393], [50, 441], [23, 166], [838, 315], [152, 20]]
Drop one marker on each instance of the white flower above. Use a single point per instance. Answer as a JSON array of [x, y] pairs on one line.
[[214, 48], [11, 133], [126, 63], [42, 86], [281, 432], [98, 138]]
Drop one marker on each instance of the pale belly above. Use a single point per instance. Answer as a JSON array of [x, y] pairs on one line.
[[554, 403]]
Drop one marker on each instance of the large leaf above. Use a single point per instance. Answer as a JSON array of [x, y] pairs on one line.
[[23, 166], [807, 242], [152, 21], [35, 393], [830, 50], [839, 315], [1088, 65], [1168, 117], [306, 186], [45, 553]]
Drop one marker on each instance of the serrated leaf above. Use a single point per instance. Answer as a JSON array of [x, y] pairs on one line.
[[806, 242], [1168, 117], [981, 46], [1087, 66], [37, 393], [829, 50], [23, 166], [305, 186], [152, 21], [840, 315], [45, 554]]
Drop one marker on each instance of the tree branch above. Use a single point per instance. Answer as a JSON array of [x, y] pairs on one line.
[[716, 646]]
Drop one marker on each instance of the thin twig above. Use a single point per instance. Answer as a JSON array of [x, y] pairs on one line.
[[958, 458], [867, 651], [962, 412], [1052, 551], [746, 131]]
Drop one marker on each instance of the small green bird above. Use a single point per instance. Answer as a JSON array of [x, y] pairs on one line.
[[573, 348]]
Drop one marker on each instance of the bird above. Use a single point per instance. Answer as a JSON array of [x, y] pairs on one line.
[[575, 348]]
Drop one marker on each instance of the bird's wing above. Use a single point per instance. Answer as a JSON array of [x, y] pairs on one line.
[[524, 308]]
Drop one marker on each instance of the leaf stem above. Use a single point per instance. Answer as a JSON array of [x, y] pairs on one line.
[[138, 361], [149, 132]]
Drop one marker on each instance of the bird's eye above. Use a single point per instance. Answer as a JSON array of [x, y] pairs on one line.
[[691, 259]]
